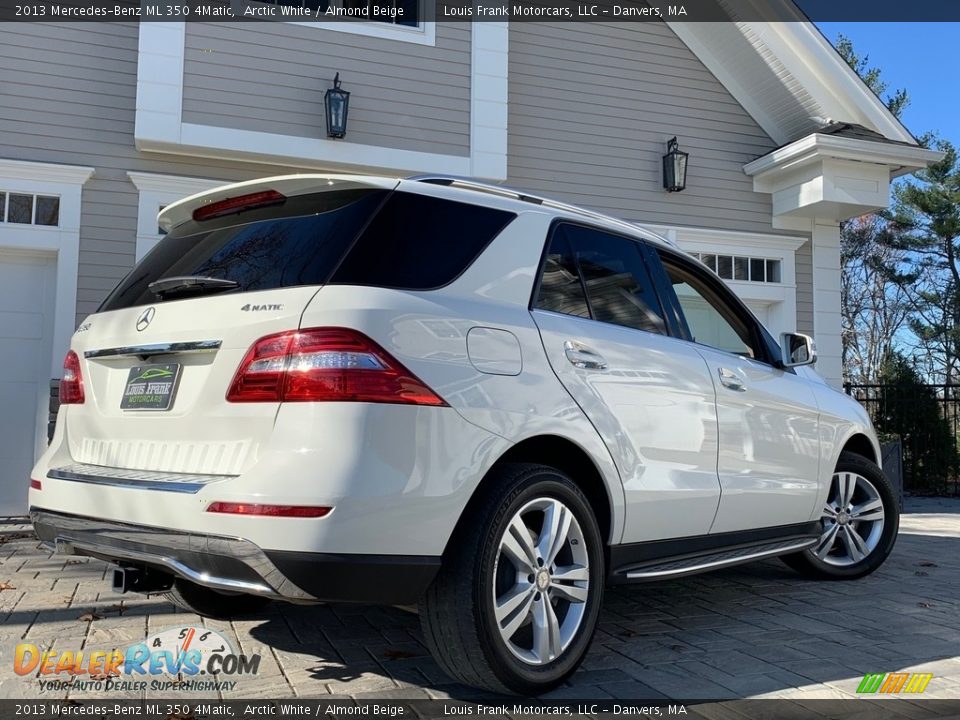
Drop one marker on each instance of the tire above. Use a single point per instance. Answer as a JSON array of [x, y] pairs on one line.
[[212, 604], [458, 616], [840, 560]]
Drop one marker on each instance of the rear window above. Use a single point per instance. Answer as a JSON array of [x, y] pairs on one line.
[[362, 237], [418, 242]]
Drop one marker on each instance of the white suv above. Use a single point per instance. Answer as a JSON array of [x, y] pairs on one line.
[[435, 391]]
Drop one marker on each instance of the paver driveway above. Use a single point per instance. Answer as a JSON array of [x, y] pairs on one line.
[[757, 630]]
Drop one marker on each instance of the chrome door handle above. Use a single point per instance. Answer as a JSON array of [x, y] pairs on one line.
[[583, 357], [729, 379]]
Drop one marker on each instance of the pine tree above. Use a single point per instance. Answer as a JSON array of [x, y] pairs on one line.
[[912, 411]]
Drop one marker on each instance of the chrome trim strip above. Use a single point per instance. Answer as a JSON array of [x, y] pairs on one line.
[[135, 479], [196, 346], [69, 546], [108, 539], [727, 560]]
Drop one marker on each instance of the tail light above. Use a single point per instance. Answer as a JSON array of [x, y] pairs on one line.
[[325, 365], [71, 384], [238, 204], [303, 511]]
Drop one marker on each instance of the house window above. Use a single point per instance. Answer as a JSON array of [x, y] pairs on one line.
[[393, 12], [29, 209], [743, 268]]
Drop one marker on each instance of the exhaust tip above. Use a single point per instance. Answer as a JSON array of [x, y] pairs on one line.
[[119, 584]]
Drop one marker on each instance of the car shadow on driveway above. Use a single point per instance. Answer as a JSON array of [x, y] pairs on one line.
[[754, 630]]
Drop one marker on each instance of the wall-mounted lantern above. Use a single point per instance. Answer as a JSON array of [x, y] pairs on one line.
[[336, 102], [674, 168]]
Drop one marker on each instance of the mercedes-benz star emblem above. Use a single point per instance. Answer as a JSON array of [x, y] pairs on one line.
[[146, 317]]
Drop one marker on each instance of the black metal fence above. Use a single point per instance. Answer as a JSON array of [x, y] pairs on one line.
[[926, 421]]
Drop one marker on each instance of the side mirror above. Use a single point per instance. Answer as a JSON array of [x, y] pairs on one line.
[[797, 349]]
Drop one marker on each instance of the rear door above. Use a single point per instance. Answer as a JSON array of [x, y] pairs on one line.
[[649, 395], [768, 461], [156, 366]]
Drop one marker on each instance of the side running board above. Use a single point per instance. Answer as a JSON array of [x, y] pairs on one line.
[[712, 560]]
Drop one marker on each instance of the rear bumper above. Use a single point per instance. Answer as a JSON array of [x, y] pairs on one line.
[[236, 565]]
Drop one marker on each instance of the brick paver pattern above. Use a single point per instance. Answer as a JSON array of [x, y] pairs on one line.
[[753, 631]]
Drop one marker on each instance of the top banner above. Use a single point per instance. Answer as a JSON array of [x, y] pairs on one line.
[[415, 12]]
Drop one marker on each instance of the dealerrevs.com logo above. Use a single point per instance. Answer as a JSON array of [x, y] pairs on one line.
[[183, 658]]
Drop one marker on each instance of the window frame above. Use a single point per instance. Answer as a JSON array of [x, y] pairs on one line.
[[765, 347], [642, 246], [423, 33], [6, 192]]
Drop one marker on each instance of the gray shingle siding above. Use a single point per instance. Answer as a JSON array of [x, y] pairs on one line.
[[591, 106], [75, 89], [590, 110], [271, 77]]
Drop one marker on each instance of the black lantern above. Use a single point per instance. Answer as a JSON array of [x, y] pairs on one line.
[[674, 168], [336, 102]]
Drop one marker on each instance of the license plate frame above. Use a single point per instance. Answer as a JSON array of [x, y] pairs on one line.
[[159, 381]]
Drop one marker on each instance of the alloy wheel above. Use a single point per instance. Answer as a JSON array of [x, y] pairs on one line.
[[541, 581], [852, 521]]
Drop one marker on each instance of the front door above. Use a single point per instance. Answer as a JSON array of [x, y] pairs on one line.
[[768, 462], [649, 395]]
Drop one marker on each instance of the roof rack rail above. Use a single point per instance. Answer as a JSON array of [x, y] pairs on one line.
[[469, 183]]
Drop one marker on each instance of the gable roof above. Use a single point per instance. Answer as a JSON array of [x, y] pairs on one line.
[[786, 74]]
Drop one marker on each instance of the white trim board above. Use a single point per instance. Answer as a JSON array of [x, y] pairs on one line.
[[62, 241], [805, 66], [160, 127], [161, 190]]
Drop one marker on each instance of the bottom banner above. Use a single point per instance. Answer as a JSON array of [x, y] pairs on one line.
[[873, 709]]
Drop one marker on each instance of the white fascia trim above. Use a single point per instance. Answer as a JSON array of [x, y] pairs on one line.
[[817, 146], [34, 172], [160, 126], [67, 182], [810, 58]]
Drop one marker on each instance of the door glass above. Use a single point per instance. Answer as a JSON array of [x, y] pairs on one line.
[[560, 287], [619, 290], [711, 320]]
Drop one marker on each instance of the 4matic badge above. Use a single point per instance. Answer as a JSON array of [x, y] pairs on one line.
[[260, 308]]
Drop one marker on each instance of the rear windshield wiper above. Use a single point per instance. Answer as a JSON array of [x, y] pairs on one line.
[[190, 284]]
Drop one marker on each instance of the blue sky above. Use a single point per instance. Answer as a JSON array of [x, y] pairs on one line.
[[921, 57]]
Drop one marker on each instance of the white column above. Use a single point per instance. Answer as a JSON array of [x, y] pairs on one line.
[[826, 300]]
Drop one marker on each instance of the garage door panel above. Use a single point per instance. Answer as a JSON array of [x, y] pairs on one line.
[[21, 359], [22, 325], [21, 282], [27, 290]]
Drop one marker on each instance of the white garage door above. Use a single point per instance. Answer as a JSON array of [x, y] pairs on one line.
[[27, 292], [761, 310]]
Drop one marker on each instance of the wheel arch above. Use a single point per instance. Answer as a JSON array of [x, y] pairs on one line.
[[564, 455], [859, 444]]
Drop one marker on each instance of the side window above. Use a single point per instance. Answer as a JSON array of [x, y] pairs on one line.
[[419, 242], [710, 319], [609, 270], [561, 290]]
